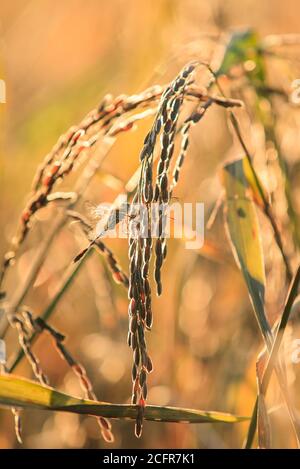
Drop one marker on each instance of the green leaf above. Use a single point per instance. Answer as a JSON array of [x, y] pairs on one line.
[[20, 392], [244, 234], [243, 46]]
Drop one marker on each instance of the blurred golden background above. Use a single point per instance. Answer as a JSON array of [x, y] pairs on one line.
[[58, 60]]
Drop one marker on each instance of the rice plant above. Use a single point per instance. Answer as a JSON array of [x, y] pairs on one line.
[[237, 84]]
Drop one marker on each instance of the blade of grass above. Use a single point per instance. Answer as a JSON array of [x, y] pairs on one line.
[[23, 393], [291, 296], [263, 424], [244, 234], [266, 205], [241, 46], [263, 421]]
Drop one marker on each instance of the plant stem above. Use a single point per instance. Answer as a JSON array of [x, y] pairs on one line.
[[292, 294], [64, 286]]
